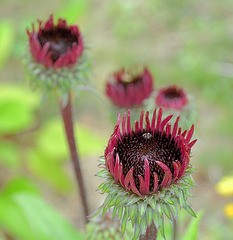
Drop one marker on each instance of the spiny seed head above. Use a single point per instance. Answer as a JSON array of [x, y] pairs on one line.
[[126, 90], [150, 157], [55, 45], [171, 97]]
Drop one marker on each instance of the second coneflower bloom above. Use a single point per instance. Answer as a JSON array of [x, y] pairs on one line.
[[129, 91], [147, 170], [56, 50], [171, 97]]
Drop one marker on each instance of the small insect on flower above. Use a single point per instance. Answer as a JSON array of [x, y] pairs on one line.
[[147, 135]]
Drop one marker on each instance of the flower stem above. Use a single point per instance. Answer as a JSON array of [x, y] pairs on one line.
[[150, 234], [174, 229], [66, 112]]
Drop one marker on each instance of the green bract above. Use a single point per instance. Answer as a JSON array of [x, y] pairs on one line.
[[141, 211], [63, 79]]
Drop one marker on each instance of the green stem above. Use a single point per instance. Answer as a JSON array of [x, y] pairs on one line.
[[66, 113], [174, 229], [150, 234]]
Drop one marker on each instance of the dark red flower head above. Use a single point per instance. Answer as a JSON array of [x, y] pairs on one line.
[[147, 158], [57, 45], [127, 91], [171, 97]]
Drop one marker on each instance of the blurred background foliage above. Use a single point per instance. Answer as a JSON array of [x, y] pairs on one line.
[[188, 43]]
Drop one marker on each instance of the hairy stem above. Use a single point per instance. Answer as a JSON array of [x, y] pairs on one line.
[[150, 234], [66, 112]]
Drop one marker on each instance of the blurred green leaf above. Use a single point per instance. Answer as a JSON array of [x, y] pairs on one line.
[[20, 184], [73, 10], [16, 108], [28, 217], [49, 170], [9, 154], [51, 141], [6, 40], [192, 230]]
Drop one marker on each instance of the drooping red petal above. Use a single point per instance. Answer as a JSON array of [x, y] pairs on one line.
[[136, 126], [190, 134], [156, 182], [167, 174], [128, 122], [176, 169], [123, 124], [141, 120], [159, 119], [153, 120], [147, 121], [175, 127], [164, 122], [168, 129], [116, 168]]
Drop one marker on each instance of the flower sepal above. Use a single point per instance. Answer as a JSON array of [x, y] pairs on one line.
[[62, 79], [146, 209]]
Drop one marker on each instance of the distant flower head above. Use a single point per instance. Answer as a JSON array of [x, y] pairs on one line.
[[171, 97], [57, 59], [55, 45], [127, 91], [145, 159]]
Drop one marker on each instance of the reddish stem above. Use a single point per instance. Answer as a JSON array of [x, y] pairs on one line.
[[150, 234], [66, 112]]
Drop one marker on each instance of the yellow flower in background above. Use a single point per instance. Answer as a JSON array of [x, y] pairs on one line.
[[225, 186], [228, 210]]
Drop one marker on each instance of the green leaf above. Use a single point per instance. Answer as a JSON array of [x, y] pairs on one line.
[[50, 171], [16, 108], [20, 184], [6, 40], [51, 140], [192, 231], [28, 217]]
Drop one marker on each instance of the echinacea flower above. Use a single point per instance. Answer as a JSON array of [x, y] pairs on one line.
[[174, 100], [129, 91], [171, 97], [147, 170], [56, 54], [55, 45]]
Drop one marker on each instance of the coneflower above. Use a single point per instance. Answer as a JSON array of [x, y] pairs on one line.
[[171, 97], [57, 63], [129, 91], [57, 58], [147, 172]]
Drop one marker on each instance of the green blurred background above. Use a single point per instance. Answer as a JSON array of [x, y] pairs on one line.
[[188, 43]]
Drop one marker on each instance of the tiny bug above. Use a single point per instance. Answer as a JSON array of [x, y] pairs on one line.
[[147, 135]]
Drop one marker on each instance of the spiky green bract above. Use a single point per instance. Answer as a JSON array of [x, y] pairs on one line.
[[63, 79], [141, 211], [104, 228]]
